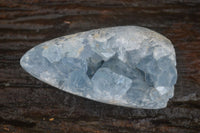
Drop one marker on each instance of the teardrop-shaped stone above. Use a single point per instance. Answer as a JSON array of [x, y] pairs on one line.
[[128, 66]]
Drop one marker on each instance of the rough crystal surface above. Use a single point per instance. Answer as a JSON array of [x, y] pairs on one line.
[[126, 65]]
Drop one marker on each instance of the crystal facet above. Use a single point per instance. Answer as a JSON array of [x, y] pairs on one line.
[[128, 66]]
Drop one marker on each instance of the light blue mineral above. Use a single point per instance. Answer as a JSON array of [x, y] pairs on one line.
[[127, 65]]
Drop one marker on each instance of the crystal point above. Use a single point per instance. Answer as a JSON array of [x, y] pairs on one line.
[[127, 65]]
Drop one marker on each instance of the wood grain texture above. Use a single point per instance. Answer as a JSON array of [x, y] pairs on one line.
[[30, 106]]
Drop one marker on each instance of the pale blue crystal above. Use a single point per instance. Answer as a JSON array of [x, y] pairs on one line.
[[109, 86], [128, 66]]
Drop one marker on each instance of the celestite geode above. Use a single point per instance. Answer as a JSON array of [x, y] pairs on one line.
[[126, 65]]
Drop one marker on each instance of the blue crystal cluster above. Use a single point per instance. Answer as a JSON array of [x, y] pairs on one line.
[[128, 66]]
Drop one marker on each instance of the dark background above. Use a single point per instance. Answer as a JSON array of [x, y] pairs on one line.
[[30, 106]]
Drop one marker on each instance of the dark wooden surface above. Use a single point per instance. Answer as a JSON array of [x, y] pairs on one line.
[[30, 106]]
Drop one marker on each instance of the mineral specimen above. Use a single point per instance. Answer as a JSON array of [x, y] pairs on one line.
[[128, 66]]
